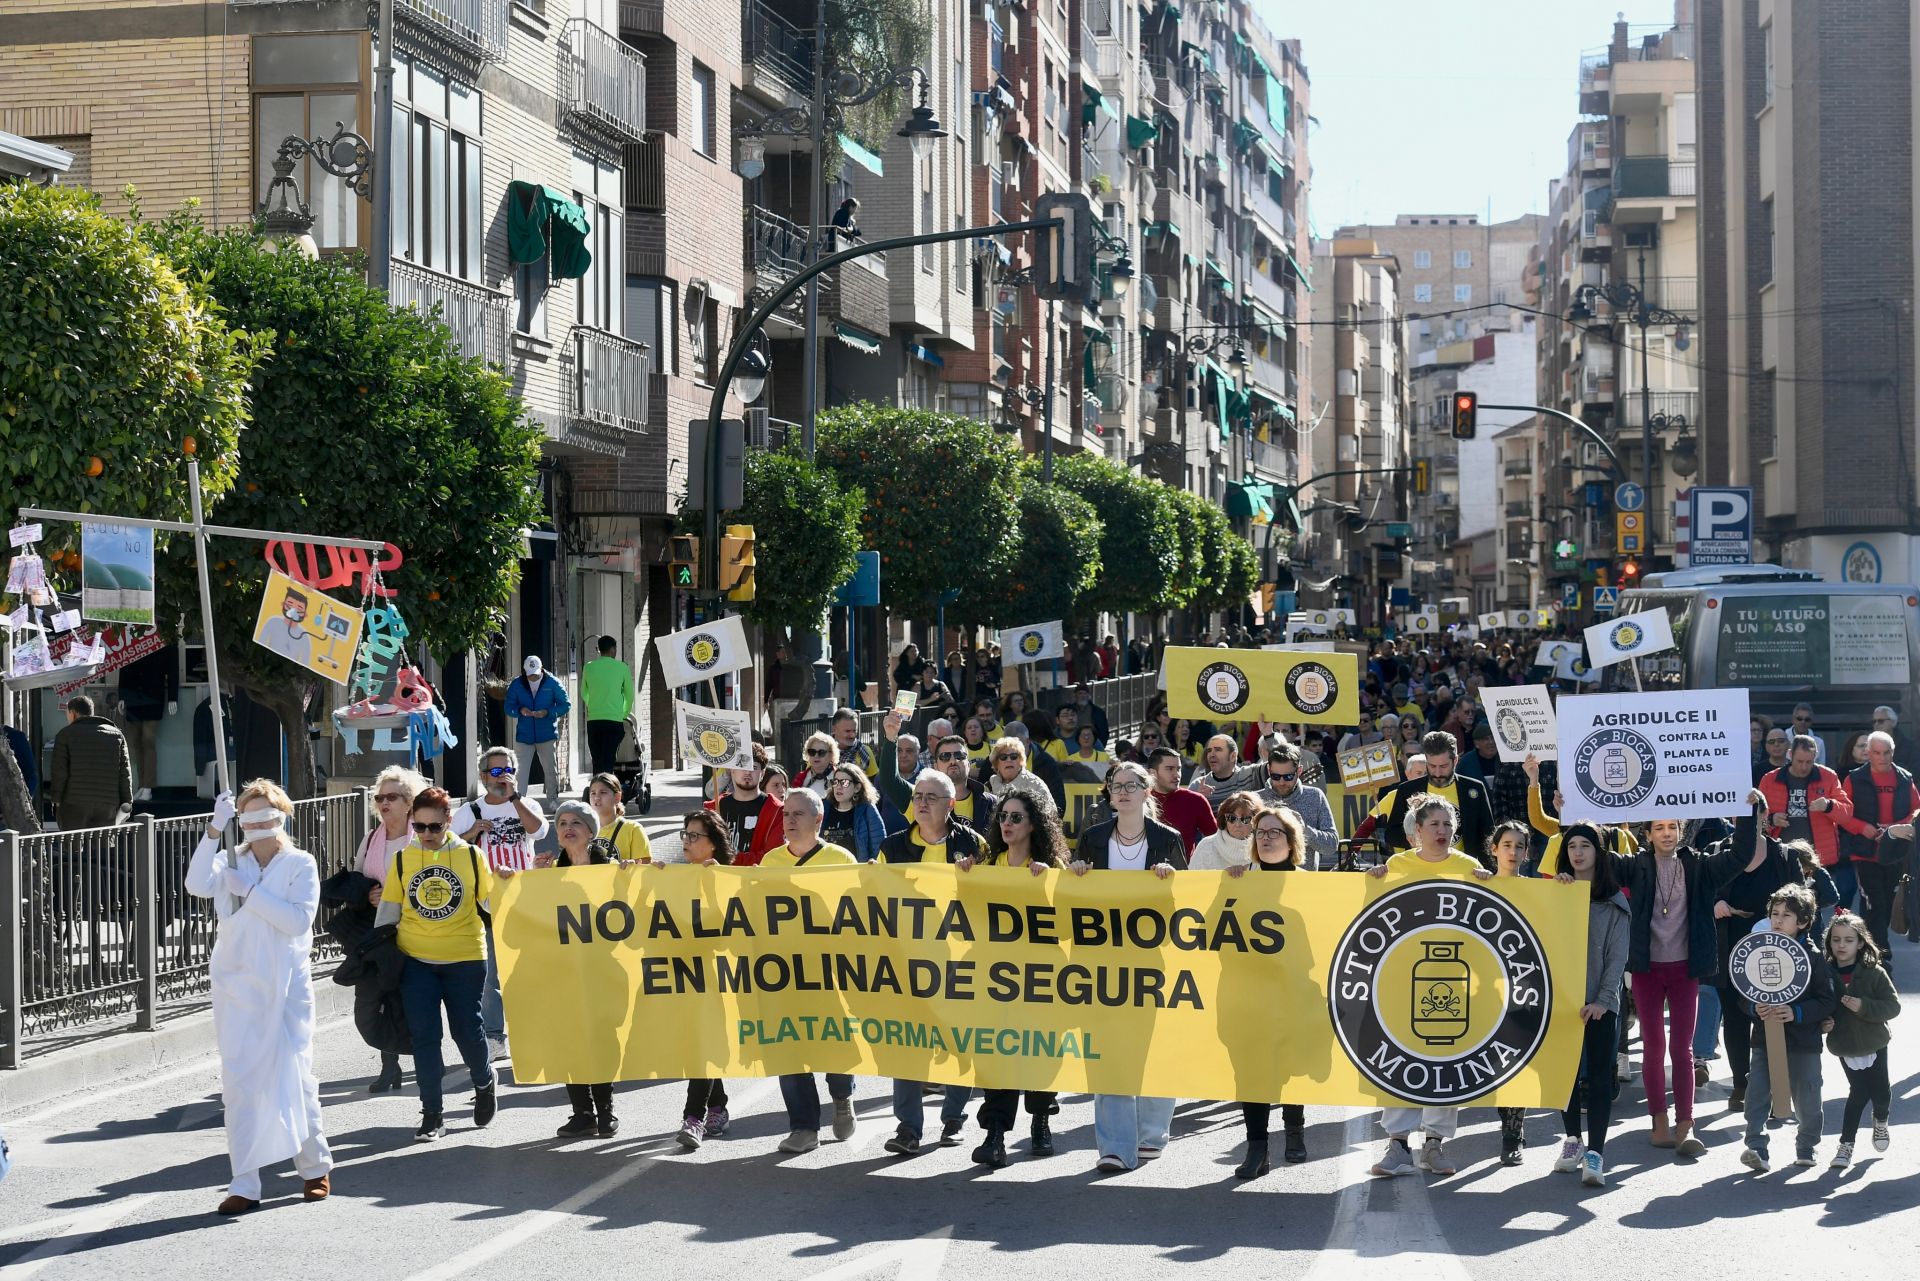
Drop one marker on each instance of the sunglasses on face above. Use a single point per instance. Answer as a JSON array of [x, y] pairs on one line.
[[1283, 778], [1007, 756], [500, 771], [1013, 818], [818, 751], [428, 829], [383, 797], [951, 756], [1236, 818]]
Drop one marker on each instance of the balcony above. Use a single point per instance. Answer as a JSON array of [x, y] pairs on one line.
[[1271, 212], [1272, 460], [1518, 467], [775, 247], [1675, 293], [1596, 83], [777, 54], [1636, 177], [1596, 237], [603, 82], [1519, 511], [856, 292], [644, 165], [1270, 292], [475, 27], [1265, 370], [1630, 413], [475, 315], [607, 387], [643, 17]]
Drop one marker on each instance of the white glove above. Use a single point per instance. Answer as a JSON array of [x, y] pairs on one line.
[[173, 706], [241, 875], [223, 810]]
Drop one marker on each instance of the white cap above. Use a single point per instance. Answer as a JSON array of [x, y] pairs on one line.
[[532, 665]]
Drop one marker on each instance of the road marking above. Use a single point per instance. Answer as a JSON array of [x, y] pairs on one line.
[[919, 1259], [1409, 1234], [78, 1227]]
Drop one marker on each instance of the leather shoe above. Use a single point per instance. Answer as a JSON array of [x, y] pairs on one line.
[[318, 1189], [237, 1205]]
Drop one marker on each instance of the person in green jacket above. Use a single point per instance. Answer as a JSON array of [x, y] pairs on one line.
[[1857, 1033], [606, 686]]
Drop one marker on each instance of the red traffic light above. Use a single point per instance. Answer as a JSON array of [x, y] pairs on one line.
[[1466, 412], [1629, 571]]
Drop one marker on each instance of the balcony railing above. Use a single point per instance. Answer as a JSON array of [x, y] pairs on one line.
[[645, 165], [777, 47], [1631, 413], [1635, 176], [602, 80], [477, 26], [608, 387], [776, 247], [1675, 293], [1273, 460], [476, 316]]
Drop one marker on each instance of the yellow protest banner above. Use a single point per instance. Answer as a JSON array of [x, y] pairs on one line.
[[1316, 987], [1268, 685]]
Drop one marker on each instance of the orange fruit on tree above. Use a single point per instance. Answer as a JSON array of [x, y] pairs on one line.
[[95, 465], [191, 445]]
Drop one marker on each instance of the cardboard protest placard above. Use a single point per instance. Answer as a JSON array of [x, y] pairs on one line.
[[1523, 721], [1550, 653], [716, 737], [1629, 636], [704, 651], [904, 702], [1368, 768], [308, 628], [116, 574], [1626, 758], [1032, 644]]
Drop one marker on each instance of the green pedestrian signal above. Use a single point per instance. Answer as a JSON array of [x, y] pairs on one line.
[[683, 554]]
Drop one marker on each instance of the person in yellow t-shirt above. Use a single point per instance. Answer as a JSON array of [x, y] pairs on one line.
[[1085, 748], [801, 814], [433, 892], [628, 839], [1431, 823], [1548, 826]]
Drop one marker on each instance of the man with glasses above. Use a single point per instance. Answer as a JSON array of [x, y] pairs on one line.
[[1284, 788], [972, 804], [1774, 754], [1803, 724], [504, 826], [1360, 737], [1886, 720], [935, 837]]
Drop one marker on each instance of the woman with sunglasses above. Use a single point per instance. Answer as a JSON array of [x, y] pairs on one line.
[[1279, 845], [1231, 846], [1130, 1130], [393, 793], [575, 830], [265, 892], [1025, 833], [434, 890], [704, 842], [853, 813], [822, 754]]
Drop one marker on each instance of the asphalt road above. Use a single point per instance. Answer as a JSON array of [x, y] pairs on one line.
[[123, 1181]]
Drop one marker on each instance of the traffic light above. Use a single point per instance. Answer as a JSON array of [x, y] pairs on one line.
[[1267, 592], [1629, 572], [736, 562], [1066, 275], [1466, 410], [1422, 476], [683, 554]]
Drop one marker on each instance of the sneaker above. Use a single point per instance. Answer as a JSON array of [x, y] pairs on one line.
[[692, 1132], [1882, 1136], [1433, 1157], [1842, 1157], [1397, 1160], [717, 1122], [431, 1128], [800, 1141], [1701, 1075], [1569, 1159], [903, 1143], [607, 1126], [1150, 1154], [1110, 1165], [1803, 1159], [497, 1049], [950, 1132], [578, 1124], [1593, 1170], [1755, 1161], [486, 1102], [1623, 1067], [843, 1119]]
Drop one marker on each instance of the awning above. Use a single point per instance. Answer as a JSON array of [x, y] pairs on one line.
[[1283, 410], [1173, 10], [535, 213], [1205, 59], [1252, 498], [1097, 101], [1265, 318], [1244, 135], [1273, 154], [1096, 336], [853, 151], [926, 354], [1141, 131], [1261, 393], [1305, 278], [1168, 228], [864, 343], [1278, 101], [1219, 273]]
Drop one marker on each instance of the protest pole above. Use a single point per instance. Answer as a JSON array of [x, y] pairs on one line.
[[199, 530], [1777, 1068]]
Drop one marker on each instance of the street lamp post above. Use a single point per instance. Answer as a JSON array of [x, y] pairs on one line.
[[284, 215]]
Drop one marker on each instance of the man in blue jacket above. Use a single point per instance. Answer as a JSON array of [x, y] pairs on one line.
[[537, 702]]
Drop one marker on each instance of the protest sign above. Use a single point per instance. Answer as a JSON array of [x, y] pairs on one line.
[[1424, 622], [1523, 721], [1572, 665], [904, 701], [116, 574], [309, 628], [1033, 644], [1550, 653], [699, 653], [1626, 758], [1341, 990], [1262, 685], [1302, 647], [715, 737], [1631, 636], [1494, 621], [1368, 768]]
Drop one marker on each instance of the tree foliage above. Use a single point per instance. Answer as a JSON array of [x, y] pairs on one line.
[[868, 39], [1139, 544], [114, 368], [1235, 568], [942, 501], [806, 537], [1058, 559]]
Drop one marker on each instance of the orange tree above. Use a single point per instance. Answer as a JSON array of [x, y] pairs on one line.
[[806, 537], [1139, 548], [1059, 556], [942, 502], [368, 423]]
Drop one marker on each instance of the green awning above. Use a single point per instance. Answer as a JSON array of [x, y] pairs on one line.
[[1222, 389], [1261, 393], [1096, 336], [1162, 229], [1239, 405], [1202, 56], [1275, 159], [1244, 135], [1219, 274], [1173, 9], [1141, 131], [1283, 410], [1278, 101], [536, 212], [1305, 278], [1096, 101], [851, 148], [1264, 317], [1250, 498], [859, 340]]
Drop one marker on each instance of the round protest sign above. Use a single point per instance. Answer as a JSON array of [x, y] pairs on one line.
[[1770, 969]]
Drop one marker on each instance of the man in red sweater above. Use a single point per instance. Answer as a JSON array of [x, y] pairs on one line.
[[1885, 804], [1181, 808]]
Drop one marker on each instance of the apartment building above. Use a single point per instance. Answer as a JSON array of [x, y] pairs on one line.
[[1807, 123]]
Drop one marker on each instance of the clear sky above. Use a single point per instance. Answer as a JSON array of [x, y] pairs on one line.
[[1443, 106]]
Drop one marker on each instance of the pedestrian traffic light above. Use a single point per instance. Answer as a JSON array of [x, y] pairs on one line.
[[736, 562], [1063, 258], [683, 553], [1422, 476], [1466, 410], [1629, 572]]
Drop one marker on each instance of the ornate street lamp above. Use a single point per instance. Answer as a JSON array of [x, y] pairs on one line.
[[284, 216]]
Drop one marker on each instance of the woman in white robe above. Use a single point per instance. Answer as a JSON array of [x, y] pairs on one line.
[[265, 893]]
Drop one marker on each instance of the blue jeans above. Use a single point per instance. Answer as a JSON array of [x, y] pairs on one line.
[[911, 1114], [1706, 1029], [1803, 1070], [493, 1011], [424, 989], [1122, 1125], [801, 1093], [1846, 882]]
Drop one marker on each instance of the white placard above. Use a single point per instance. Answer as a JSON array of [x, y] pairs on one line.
[[1626, 758], [1307, 647], [1345, 617], [1551, 652], [66, 620], [1495, 621], [700, 653], [715, 737], [1035, 643], [21, 535], [1424, 622], [1523, 721], [1629, 636]]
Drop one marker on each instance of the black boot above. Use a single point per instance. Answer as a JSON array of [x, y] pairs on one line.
[[1512, 1135], [1256, 1163], [1296, 1145], [389, 1078], [1042, 1137], [993, 1152]]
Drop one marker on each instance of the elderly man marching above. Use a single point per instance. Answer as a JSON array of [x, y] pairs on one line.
[[264, 893]]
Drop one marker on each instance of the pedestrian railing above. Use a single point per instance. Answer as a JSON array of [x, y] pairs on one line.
[[102, 930]]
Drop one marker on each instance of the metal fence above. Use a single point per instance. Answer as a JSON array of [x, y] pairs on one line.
[[1125, 700], [102, 930]]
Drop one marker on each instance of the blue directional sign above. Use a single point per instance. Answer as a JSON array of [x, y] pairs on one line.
[[1629, 497], [864, 587]]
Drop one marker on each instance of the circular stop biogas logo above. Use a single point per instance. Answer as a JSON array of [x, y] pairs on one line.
[[1440, 992], [1769, 969], [703, 651], [1311, 688], [1511, 729], [1224, 688], [1626, 637], [1615, 768], [1031, 644], [435, 892]]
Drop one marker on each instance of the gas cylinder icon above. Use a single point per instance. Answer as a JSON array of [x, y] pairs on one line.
[[1771, 973], [1441, 978], [1613, 766]]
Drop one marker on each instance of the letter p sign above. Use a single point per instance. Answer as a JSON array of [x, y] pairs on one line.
[[1721, 525]]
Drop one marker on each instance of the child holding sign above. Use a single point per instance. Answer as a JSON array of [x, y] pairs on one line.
[[1790, 911], [1857, 1033]]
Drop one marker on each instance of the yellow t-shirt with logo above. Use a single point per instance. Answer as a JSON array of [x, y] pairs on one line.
[[928, 853], [963, 809], [1455, 864], [629, 840], [1057, 748], [824, 855], [1448, 792], [439, 893]]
